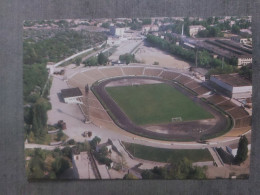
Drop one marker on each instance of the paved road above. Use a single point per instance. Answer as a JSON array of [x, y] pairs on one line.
[[215, 157], [44, 147]]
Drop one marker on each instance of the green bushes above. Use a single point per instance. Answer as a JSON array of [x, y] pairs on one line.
[[183, 169], [47, 164], [127, 58]]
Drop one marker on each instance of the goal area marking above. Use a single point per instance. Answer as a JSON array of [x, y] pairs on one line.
[[176, 119]]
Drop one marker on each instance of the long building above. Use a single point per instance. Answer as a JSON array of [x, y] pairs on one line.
[[233, 85], [227, 49]]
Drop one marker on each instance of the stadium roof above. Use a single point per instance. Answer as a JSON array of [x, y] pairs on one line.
[[234, 80], [71, 92]]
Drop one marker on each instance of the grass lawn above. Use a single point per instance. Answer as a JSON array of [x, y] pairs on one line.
[[155, 104], [48, 138], [164, 155]]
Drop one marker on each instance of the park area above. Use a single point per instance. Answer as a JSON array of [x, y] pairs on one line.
[[156, 104], [167, 155]]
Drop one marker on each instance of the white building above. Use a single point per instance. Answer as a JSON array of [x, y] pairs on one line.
[[71, 95], [232, 149], [150, 28], [195, 29], [50, 67], [82, 167], [233, 85], [115, 31], [244, 60], [241, 40]]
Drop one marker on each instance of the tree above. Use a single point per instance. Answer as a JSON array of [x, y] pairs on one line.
[[39, 121], [105, 25], [94, 142], [235, 29], [78, 61], [92, 61], [59, 135], [246, 71], [242, 150], [127, 58], [130, 176], [60, 165], [204, 59], [102, 59], [67, 151]]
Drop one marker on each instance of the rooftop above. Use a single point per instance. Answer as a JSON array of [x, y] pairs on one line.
[[71, 92], [84, 167], [234, 80]]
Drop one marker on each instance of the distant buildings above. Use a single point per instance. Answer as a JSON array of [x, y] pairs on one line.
[[195, 29], [233, 85], [150, 28], [241, 40], [246, 32]]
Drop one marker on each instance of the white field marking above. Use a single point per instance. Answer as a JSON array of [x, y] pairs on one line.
[[96, 108], [123, 73], [188, 82], [110, 121], [160, 73], [143, 71], [102, 73], [196, 87], [178, 76]]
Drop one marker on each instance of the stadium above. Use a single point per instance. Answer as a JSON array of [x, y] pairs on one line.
[[157, 103]]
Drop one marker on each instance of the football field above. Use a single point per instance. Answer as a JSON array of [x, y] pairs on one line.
[[156, 104]]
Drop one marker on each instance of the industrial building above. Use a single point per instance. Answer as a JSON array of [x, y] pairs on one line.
[[71, 95], [232, 85], [227, 49]]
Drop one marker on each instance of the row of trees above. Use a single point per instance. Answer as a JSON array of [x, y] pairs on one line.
[[56, 48], [205, 60], [36, 54], [38, 167], [181, 170], [211, 31], [127, 58], [101, 59]]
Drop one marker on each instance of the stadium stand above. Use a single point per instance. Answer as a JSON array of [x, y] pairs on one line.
[[201, 90], [94, 103], [238, 113], [243, 122], [133, 70], [152, 72], [76, 83], [111, 71], [183, 79], [94, 74], [237, 131], [169, 75], [98, 113], [192, 85], [227, 105], [216, 99]]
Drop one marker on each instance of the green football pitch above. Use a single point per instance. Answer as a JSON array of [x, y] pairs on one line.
[[156, 104]]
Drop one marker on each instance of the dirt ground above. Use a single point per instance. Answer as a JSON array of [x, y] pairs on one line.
[[228, 170], [149, 55]]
